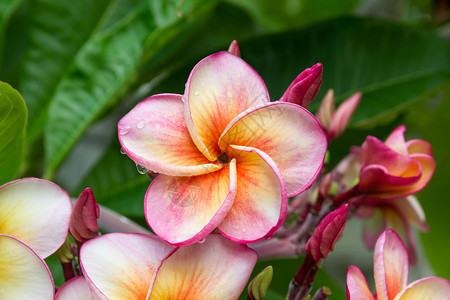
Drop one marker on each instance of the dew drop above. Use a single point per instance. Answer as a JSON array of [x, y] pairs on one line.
[[244, 229], [158, 126], [192, 211], [141, 169], [124, 130], [236, 227], [201, 241], [173, 207], [140, 124], [122, 151], [196, 92]]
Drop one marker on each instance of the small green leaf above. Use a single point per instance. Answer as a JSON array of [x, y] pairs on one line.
[[13, 119]]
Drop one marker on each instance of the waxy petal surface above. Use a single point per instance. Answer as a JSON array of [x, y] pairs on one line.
[[413, 211], [357, 287], [183, 210], [419, 146], [391, 265], [123, 265], [220, 87], [75, 289], [154, 135], [23, 274], [342, 116], [37, 212], [216, 269], [429, 288], [375, 152], [261, 199], [289, 134], [396, 140]]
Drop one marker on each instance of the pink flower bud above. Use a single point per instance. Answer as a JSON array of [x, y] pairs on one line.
[[305, 87], [83, 221], [234, 49], [335, 122], [327, 233]]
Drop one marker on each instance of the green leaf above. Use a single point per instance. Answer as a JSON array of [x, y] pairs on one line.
[[104, 70], [7, 8], [391, 64], [117, 184], [13, 119], [285, 14], [57, 30]]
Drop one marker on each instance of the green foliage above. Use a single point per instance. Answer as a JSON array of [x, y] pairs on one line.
[[13, 119]]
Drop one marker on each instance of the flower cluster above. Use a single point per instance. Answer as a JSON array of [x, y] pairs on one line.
[[225, 160]]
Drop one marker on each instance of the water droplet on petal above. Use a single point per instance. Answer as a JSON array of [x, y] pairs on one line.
[[236, 227], [141, 169], [140, 124], [158, 126], [124, 130], [244, 229], [196, 92], [202, 241], [122, 151]]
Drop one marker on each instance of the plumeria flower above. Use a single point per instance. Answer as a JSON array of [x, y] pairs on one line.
[[34, 223], [141, 266], [228, 158], [400, 214], [395, 168], [75, 289], [391, 268]]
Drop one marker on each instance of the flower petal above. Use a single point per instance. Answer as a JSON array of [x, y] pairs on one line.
[[375, 152], [372, 228], [219, 88], [261, 200], [342, 116], [123, 265], [357, 287], [286, 132], [413, 211], [23, 274], [429, 288], [215, 269], [391, 265], [154, 135], [396, 141], [419, 146], [75, 289], [184, 210], [37, 212]]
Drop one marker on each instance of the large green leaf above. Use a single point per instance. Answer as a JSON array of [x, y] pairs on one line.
[[13, 120], [285, 14], [57, 30], [391, 64], [7, 8], [105, 69]]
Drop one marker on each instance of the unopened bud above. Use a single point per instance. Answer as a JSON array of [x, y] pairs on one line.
[[305, 87], [258, 287], [234, 49], [327, 233], [83, 221]]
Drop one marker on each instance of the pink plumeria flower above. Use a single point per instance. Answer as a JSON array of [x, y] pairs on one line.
[[395, 168], [140, 266], [335, 122], [305, 87], [34, 223], [227, 157], [400, 214], [83, 221], [391, 268]]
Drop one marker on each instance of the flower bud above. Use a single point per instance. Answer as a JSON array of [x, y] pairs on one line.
[[83, 221], [305, 87], [258, 287], [327, 233], [234, 49]]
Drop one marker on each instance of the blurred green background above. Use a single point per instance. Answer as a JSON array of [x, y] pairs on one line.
[[81, 65]]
